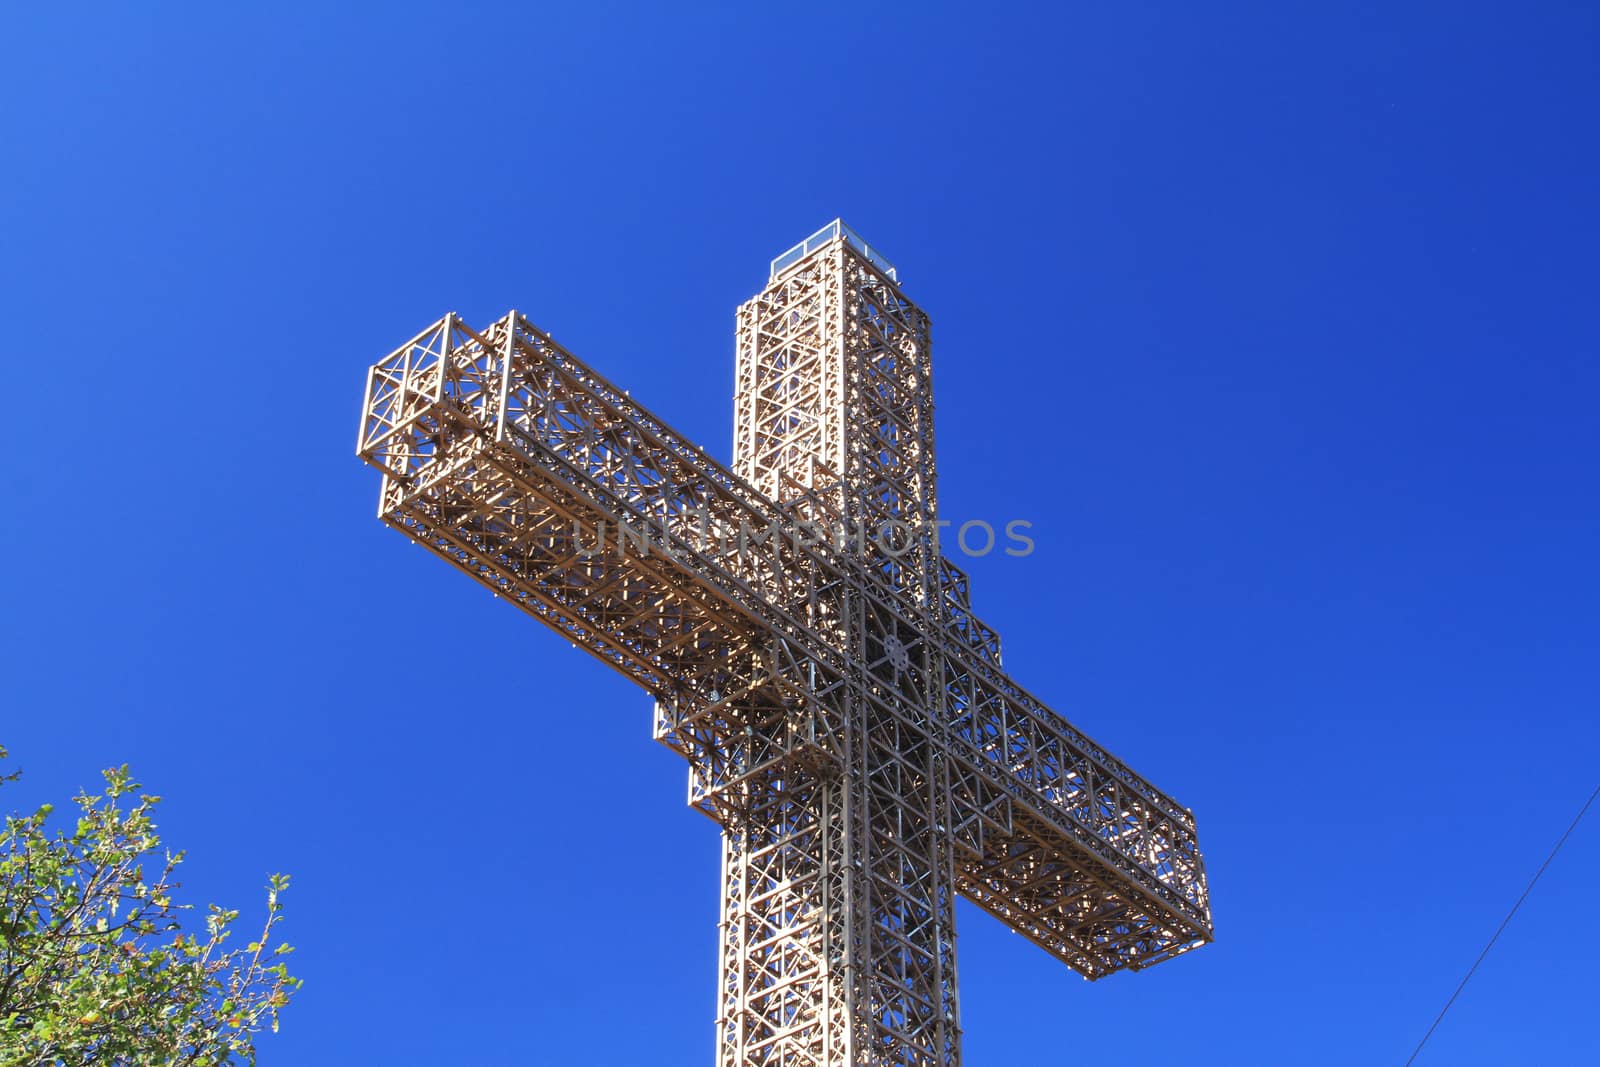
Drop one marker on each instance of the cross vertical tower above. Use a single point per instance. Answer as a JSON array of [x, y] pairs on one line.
[[834, 421], [812, 654]]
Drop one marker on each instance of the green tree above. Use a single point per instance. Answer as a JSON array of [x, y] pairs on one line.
[[95, 967]]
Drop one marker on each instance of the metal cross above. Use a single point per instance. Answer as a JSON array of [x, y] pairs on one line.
[[812, 654]]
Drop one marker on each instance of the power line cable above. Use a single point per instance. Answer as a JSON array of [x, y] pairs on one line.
[[1471, 970]]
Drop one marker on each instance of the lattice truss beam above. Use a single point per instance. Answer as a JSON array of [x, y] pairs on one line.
[[843, 712]]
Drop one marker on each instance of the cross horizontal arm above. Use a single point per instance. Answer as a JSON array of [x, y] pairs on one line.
[[518, 463], [1059, 839], [506, 455]]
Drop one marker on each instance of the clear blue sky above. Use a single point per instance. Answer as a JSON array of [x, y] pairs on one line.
[[1279, 325]]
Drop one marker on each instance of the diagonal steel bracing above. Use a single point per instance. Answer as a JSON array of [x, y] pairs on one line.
[[812, 655]]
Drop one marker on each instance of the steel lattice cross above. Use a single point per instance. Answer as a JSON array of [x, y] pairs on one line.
[[811, 653]]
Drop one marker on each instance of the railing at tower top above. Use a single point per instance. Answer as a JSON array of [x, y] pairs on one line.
[[832, 231]]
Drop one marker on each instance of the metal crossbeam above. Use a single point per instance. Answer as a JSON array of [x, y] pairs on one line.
[[812, 655]]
